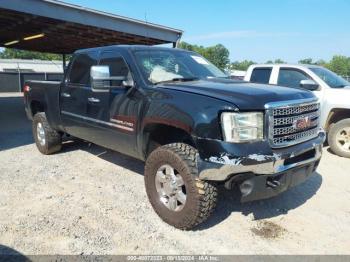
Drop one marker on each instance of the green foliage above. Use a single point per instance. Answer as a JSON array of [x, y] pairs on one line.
[[279, 61], [309, 61], [321, 62], [306, 61], [241, 65], [21, 54], [218, 54], [340, 65]]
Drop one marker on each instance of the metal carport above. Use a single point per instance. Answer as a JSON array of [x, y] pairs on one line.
[[58, 27]]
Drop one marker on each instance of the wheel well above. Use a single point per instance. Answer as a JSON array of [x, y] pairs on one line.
[[156, 135], [36, 107], [336, 115]]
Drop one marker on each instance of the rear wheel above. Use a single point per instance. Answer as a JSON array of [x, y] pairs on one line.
[[47, 140], [175, 192], [339, 138]]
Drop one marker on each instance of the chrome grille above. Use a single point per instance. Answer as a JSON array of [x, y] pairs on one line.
[[295, 110], [290, 119], [283, 119]]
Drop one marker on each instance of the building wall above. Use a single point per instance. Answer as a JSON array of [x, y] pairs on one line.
[[15, 65], [14, 72]]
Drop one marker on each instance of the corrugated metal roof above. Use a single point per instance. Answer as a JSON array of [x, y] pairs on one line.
[[58, 27]]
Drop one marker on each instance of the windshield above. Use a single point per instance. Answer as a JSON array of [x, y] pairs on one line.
[[331, 79], [159, 66]]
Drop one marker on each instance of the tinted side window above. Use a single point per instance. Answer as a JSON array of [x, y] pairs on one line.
[[80, 69], [117, 66], [261, 75], [291, 77]]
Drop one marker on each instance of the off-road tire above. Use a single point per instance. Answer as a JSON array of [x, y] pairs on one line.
[[332, 139], [201, 195], [53, 139]]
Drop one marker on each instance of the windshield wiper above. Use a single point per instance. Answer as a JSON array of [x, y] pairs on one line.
[[178, 79], [340, 86]]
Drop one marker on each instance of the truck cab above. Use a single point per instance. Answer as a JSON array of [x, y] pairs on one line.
[[332, 91]]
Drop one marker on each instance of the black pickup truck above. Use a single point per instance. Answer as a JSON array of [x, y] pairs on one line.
[[193, 126]]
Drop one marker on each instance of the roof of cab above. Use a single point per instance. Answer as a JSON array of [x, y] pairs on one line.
[[130, 47], [286, 65]]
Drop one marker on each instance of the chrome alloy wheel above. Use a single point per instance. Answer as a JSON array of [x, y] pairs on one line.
[[171, 188], [40, 133], [343, 139]]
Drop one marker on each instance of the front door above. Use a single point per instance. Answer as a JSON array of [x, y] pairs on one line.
[[114, 112]]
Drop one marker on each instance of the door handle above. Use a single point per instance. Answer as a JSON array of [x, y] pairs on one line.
[[65, 95], [93, 100]]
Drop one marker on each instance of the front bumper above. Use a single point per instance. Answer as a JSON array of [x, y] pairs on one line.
[[266, 186], [258, 164]]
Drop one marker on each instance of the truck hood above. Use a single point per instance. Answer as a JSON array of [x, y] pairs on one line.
[[244, 95]]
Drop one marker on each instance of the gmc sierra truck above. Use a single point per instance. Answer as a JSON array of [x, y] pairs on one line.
[[193, 126], [332, 91]]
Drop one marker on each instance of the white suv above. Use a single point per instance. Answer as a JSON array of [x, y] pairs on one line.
[[332, 91]]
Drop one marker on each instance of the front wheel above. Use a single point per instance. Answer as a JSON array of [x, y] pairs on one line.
[[339, 138], [172, 186], [47, 140]]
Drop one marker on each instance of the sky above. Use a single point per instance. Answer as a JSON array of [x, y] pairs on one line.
[[257, 30]]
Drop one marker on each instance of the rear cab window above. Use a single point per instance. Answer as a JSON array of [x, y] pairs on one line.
[[261, 75], [117, 66], [79, 73]]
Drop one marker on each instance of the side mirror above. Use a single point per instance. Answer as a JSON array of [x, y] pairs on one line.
[[309, 84], [102, 80]]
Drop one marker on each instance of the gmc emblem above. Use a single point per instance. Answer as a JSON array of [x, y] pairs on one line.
[[302, 123]]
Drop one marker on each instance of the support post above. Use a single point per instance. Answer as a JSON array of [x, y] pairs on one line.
[[177, 43], [20, 88], [64, 62]]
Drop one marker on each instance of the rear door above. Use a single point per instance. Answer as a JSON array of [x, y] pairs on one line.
[[74, 93], [113, 113]]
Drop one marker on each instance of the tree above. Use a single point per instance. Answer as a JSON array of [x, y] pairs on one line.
[[340, 65], [241, 65], [306, 61], [218, 54], [321, 62], [22, 54], [187, 46], [279, 61]]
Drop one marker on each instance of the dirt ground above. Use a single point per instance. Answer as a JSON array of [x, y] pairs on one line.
[[88, 200]]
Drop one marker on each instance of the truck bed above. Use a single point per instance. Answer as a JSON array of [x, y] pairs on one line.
[[44, 94]]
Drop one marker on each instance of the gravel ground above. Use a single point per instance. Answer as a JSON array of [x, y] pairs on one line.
[[88, 200]]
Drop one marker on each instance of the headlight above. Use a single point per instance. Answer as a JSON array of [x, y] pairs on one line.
[[242, 127]]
